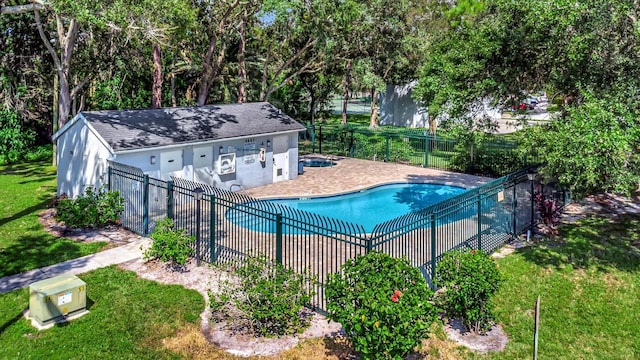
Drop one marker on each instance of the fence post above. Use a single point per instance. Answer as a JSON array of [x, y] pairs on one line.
[[170, 204], [479, 221], [386, 151], [369, 246], [426, 150], [351, 143], [145, 204], [320, 141], [212, 228], [279, 238], [197, 192], [514, 208], [109, 170], [313, 138], [434, 251], [471, 154]]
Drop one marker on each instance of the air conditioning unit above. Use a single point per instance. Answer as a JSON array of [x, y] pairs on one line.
[[227, 164], [52, 300]]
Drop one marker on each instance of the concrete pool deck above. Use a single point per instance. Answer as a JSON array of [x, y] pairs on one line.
[[354, 174]]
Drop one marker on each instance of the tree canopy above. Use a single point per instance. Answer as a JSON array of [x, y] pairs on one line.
[[58, 57], [584, 54]]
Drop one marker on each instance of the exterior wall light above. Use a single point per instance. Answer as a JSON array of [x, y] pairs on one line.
[[152, 159]]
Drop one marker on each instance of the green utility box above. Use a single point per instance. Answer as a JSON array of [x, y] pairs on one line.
[[55, 297]]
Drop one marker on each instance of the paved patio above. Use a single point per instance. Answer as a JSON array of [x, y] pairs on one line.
[[354, 174]]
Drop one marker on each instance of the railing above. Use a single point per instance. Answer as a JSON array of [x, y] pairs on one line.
[[234, 225], [490, 156]]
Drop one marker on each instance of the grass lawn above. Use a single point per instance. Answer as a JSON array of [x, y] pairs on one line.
[[589, 283], [25, 190], [128, 319]]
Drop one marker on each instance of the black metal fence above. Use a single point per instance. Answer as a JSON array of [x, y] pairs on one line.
[[488, 156], [234, 225]]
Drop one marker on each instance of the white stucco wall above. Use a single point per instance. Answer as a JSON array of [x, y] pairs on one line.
[[250, 172], [82, 160], [398, 108]]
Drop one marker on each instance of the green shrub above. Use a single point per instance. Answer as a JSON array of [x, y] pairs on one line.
[[39, 153], [169, 244], [470, 279], [15, 139], [487, 159], [382, 304], [265, 298], [93, 209]]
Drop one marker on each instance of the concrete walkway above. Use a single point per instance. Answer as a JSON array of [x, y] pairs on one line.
[[130, 251]]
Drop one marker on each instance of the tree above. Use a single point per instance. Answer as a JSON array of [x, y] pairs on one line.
[[161, 23], [25, 74], [583, 50], [217, 19], [594, 148], [292, 42]]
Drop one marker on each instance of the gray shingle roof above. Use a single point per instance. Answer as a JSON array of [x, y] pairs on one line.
[[136, 129]]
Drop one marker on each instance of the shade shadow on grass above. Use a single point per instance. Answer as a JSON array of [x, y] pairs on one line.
[[37, 251], [598, 243], [12, 321], [338, 347], [29, 169], [27, 211]]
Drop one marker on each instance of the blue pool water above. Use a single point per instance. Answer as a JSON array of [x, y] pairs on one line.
[[367, 208]]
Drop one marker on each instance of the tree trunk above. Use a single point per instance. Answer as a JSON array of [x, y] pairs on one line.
[[64, 100], [432, 125], [209, 68], [156, 93], [347, 85], [265, 75], [242, 72], [54, 123], [203, 93], [312, 107], [373, 123], [174, 102]]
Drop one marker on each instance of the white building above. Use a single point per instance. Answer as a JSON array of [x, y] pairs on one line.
[[249, 144]]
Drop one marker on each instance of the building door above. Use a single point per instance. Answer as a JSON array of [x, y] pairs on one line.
[[170, 161], [203, 165], [280, 158], [203, 157]]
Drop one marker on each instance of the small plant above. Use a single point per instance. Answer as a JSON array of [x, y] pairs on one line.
[[93, 209], [266, 298], [470, 279], [169, 244], [548, 209], [382, 303]]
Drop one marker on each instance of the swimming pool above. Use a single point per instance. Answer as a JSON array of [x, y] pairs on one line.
[[318, 163], [367, 207]]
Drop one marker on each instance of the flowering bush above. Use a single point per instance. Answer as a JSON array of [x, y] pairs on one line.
[[382, 304], [470, 279]]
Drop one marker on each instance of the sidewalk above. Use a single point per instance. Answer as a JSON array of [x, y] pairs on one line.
[[117, 255]]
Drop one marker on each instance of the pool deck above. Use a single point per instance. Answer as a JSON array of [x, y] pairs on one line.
[[354, 174]]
